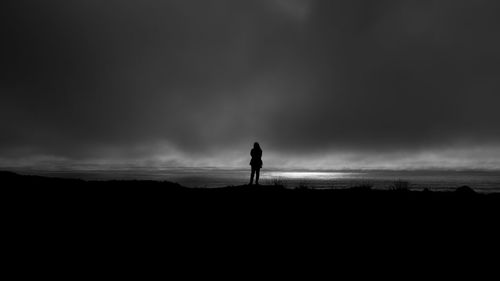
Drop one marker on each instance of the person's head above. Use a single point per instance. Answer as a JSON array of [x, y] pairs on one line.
[[256, 145]]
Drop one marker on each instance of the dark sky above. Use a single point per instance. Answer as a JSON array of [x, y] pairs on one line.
[[328, 84]]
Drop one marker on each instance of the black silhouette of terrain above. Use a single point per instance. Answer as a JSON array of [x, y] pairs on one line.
[[92, 216], [44, 190]]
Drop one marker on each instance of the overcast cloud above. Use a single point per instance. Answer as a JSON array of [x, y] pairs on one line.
[[355, 83]]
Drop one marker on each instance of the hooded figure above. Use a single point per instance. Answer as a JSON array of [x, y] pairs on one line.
[[256, 163]]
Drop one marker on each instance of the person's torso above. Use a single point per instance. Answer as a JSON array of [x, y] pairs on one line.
[[256, 153]]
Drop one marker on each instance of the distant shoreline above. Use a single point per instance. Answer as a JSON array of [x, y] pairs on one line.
[[26, 197], [8, 178], [447, 181]]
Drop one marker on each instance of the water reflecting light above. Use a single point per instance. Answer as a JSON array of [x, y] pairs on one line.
[[312, 175]]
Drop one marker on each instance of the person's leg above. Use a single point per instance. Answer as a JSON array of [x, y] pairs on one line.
[[252, 175], [257, 171]]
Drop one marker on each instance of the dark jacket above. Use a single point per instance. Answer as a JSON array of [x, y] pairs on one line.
[[256, 161]]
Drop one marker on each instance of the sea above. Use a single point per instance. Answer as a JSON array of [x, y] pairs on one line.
[[438, 180]]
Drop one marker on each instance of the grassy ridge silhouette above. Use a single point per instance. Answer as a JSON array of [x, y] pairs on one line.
[[10, 179], [34, 200]]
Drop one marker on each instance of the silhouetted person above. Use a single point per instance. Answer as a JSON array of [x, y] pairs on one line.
[[256, 163]]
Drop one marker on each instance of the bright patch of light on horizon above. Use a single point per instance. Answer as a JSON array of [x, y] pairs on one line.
[[311, 175]]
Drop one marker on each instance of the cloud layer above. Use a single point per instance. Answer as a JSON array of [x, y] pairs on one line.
[[138, 79]]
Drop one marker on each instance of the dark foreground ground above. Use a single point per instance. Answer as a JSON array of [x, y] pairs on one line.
[[158, 222], [46, 192]]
